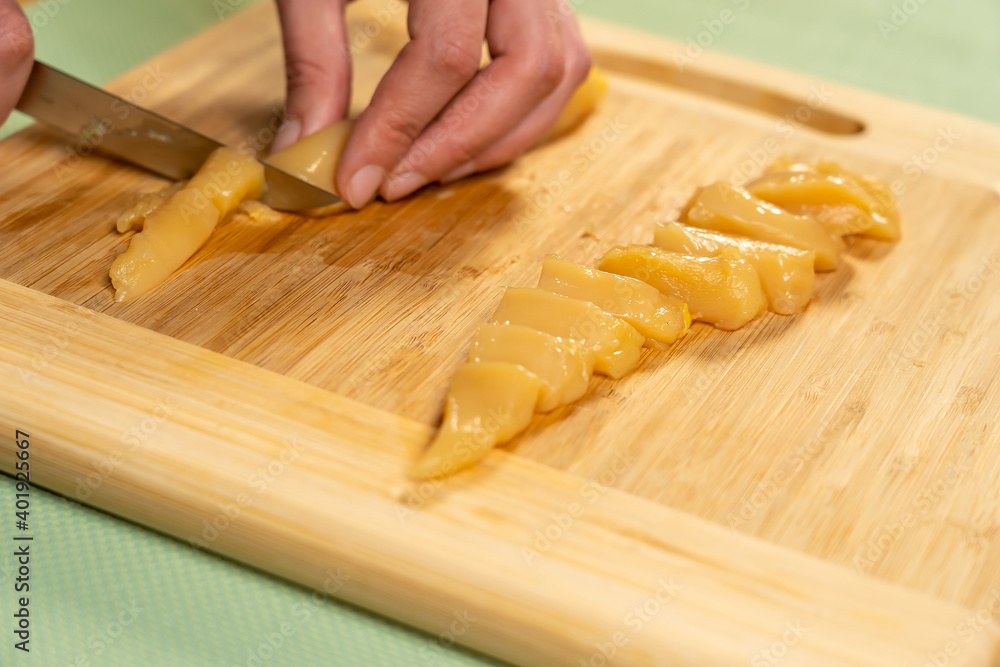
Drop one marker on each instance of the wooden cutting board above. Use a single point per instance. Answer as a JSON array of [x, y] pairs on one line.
[[823, 488]]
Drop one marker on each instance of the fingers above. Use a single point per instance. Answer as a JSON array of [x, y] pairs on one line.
[[539, 59], [441, 58], [540, 120], [17, 53], [529, 62], [317, 65]]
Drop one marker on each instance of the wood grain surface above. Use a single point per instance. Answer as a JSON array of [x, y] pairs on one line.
[[862, 431], [516, 559]]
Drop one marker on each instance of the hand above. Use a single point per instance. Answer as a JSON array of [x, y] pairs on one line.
[[435, 116], [17, 53]]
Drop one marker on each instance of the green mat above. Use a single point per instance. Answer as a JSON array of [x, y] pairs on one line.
[[105, 592]]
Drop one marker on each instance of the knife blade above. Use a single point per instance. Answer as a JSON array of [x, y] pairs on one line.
[[112, 125]]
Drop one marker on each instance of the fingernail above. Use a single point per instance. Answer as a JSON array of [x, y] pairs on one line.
[[363, 186], [404, 184], [287, 135], [461, 172]]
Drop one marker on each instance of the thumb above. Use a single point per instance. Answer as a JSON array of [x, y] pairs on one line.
[[317, 67], [17, 51]]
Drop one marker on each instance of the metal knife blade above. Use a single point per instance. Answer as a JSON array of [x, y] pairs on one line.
[[112, 125]]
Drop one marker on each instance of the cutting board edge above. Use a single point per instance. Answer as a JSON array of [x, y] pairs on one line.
[[902, 139]]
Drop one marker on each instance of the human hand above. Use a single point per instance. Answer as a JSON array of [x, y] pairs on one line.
[[435, 116], [17, 53]]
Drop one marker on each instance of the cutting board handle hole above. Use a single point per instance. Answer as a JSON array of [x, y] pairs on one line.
[[807, 112]]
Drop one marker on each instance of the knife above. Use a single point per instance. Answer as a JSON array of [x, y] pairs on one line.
[[114, 126]]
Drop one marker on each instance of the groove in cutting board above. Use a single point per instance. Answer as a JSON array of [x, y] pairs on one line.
[[749, 95]]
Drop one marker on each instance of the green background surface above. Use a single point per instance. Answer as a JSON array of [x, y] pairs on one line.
[[106, 592]]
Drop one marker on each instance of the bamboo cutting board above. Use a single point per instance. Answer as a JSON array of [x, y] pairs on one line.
[[824, 488]]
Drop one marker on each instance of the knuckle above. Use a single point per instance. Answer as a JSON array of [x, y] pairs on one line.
[[549, 68], [457, 53], [397, 125], [308, 73], [462, 151]]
